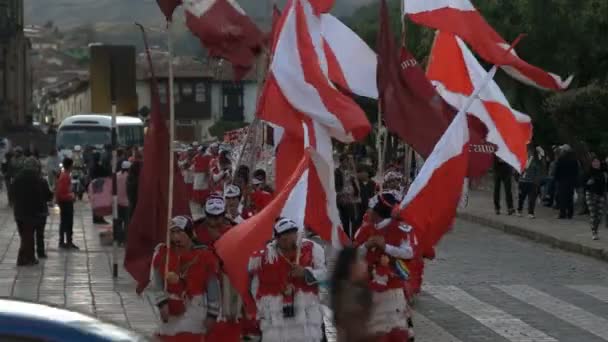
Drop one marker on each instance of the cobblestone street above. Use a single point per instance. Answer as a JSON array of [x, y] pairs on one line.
[[483, 286]]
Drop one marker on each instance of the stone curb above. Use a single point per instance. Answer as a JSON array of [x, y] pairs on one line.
[[575, 247]]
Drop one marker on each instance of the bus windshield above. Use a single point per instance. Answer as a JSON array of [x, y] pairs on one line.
[[70, 136]]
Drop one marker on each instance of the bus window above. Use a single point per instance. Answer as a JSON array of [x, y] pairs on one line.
[[130, 135], [70, 136]]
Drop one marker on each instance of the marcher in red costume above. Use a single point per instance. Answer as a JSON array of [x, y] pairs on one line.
[[200, 181], [262, 193], [285, 286], [234, 206], [221, 172], [187, 291], [209, 230], [385, 242]]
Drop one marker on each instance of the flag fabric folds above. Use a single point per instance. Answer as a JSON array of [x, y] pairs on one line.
[[239, 243], [461, 18], [168, 7], [297, 85], [148, 227], [226, 31], [456, 73], [430, 204], [351, 62]]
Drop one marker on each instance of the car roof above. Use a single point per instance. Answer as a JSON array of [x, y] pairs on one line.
[[27, 318], [101, 120]]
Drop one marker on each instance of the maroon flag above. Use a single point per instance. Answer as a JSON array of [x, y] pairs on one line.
[[148, 226], [412, 108], [168, 7], [226, 31]]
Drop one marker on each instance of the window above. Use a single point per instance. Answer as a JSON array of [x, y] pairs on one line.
[[201, 92], [176, 96], [162, 92], [225, 101], [187, 89]]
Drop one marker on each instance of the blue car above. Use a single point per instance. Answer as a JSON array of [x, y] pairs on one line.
[[30, 322]]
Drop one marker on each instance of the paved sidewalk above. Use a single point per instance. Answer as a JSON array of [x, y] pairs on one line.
[[79, 280], [570, 235]]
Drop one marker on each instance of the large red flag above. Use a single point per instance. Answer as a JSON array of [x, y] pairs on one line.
[[412, 108], [168, 7], [226, 31], [461, 18], [239, 243], [148, 226], [431, 202]]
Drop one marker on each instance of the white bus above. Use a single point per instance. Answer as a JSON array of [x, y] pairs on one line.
[[96, 131]]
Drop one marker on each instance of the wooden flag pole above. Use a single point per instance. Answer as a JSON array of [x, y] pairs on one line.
[[171, 139], [113, 96]]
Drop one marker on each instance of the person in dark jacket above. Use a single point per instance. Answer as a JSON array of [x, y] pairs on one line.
[[347, 192], [133, 186], [595, 194], [368, 190], [31, 194], [502, 175], [529, 182], [566, 176]]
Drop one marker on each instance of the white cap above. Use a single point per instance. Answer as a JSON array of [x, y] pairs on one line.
[[125, 165], [284, 225], [256, 181], [195, 143], [181, 222], [215, 206], [214, 145], [77, 148], [232, 191], [393, 175]]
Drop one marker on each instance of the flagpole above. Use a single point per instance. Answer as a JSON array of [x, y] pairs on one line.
[[171, 139], [114, 161]]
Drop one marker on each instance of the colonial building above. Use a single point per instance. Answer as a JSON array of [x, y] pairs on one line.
[[15, 70], [67, 98], [204, 93]]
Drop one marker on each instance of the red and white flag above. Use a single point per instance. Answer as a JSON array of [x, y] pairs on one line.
[[461, 18], [431, 202], [456, 73], [226, 31], [239, 243], [351, 62], [298, 86]]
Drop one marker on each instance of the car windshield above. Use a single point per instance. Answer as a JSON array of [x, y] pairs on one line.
[[68, 137]]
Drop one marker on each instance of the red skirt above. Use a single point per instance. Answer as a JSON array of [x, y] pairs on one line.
[[225, 332]]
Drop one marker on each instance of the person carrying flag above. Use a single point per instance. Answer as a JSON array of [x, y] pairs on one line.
[[185, 287], [285, 285], [386, 244]]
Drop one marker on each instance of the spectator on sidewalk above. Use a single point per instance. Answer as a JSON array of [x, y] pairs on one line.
[[123, 202], [551, 187], [595, 194], [529, 182], [566, 176], [347, 194], [8, 177], [65, 199], [367, 190], [31, 194], [502, 176]]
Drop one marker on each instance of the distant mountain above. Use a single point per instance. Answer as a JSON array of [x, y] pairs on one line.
[[68, 14]]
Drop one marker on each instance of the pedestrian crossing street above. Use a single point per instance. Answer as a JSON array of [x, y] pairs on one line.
[[518, 313]]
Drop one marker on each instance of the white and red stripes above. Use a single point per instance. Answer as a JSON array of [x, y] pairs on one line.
[[456, 73], [462, 19]]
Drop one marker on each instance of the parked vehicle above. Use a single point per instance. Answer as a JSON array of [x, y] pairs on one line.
[[32, 322]]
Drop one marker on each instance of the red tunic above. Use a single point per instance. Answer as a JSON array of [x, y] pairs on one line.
[[200, 182], [207, 236], [393, 235], [274, 277], [261, 199]]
